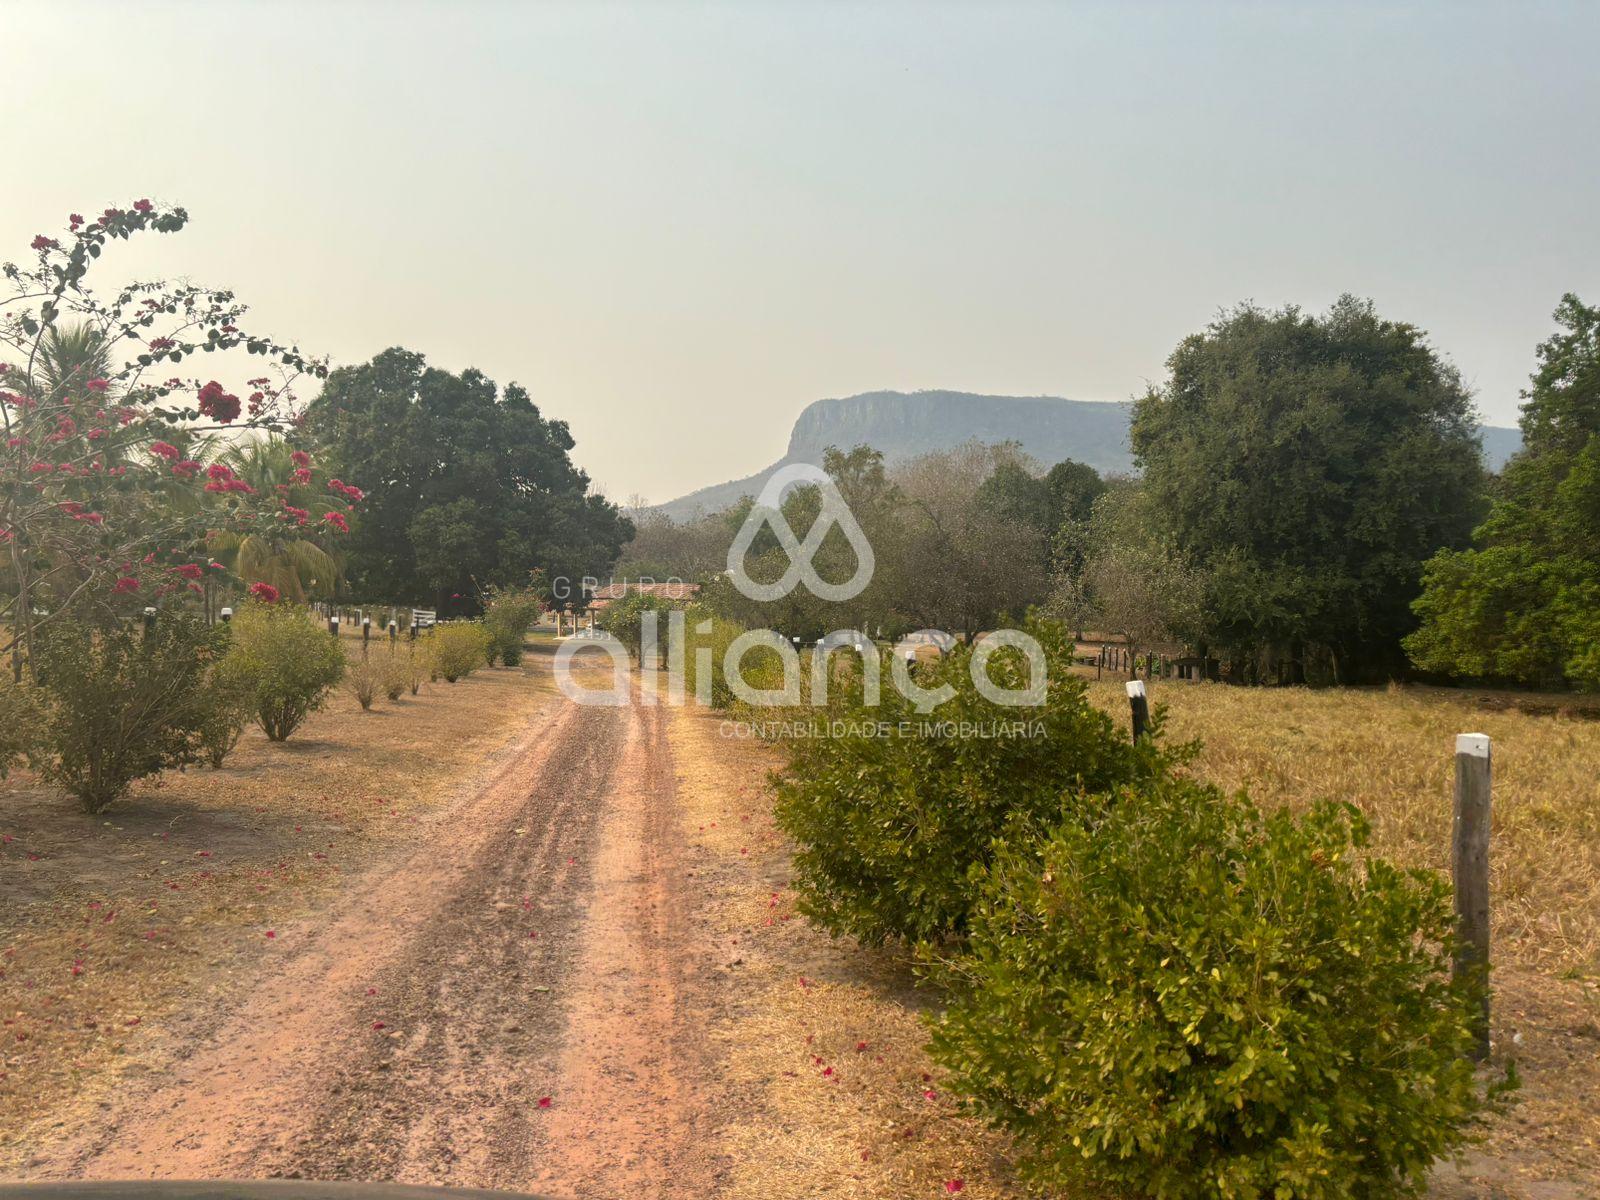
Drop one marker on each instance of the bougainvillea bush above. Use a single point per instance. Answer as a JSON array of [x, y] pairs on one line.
[[19, 722], [112, 424], [1188, 997]]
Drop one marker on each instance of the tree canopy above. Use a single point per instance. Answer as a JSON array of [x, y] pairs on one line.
[[1524, 603], [1310, 465], [467, 486]]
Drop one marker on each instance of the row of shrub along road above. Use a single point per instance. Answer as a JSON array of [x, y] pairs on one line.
[[1156, 987], [111, 703]]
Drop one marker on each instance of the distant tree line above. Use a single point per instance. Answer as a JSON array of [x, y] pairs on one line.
[[1312, 506]]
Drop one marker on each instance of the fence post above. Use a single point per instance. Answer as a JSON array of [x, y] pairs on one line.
[[333, 624], [1140, 707], [1469, 864]]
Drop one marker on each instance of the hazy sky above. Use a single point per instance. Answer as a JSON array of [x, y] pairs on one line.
[[679, 224]]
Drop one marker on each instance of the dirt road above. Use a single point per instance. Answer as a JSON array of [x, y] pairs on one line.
[[509, 1006]]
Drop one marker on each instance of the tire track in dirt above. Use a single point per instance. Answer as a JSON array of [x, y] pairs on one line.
[[575, 840], [636, 1116]]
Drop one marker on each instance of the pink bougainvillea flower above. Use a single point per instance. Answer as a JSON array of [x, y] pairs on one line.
[[189, 570], [74, 221], [264, 592], [272, 933], [930, 1094], [302, 476], [98, 385], [300, 458], [125, 586], [954, 1185], [218, 404], [165, 450], [544, 1101], [219, 472], [336, 519], [377, 1025], [141, 206], [45, 243], [861, 1047]]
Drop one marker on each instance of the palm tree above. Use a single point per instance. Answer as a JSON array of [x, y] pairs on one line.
[[66, 359], [286, 557]]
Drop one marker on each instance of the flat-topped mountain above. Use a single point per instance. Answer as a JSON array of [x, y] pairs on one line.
[[906, 424]]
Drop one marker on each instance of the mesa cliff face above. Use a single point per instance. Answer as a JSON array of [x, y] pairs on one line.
[[906, 424]]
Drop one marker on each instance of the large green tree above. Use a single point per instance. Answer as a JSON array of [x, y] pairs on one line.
[[466, 486], [1524, 603], [875, 503], [1310, 465]]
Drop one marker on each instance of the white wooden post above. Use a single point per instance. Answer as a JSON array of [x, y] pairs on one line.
[[1140, 706]]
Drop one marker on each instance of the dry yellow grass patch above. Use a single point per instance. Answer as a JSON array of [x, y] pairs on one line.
[[1391, 753], [824, 1047], [123, 931]]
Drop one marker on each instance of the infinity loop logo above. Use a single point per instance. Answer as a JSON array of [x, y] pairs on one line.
[[800, 570]]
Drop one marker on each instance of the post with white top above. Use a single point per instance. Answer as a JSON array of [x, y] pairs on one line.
[[1140, 706], [1469, 866]]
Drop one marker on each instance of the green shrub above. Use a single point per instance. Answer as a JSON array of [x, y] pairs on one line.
[[1188, 998], [20, 721], [890, 819], [230, 705], [508, 615], [291, 662], [459, 648], [623, 619], [123, 703], [716, 639]]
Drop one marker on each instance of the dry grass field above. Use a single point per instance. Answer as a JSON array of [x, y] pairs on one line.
[[122, 934]]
